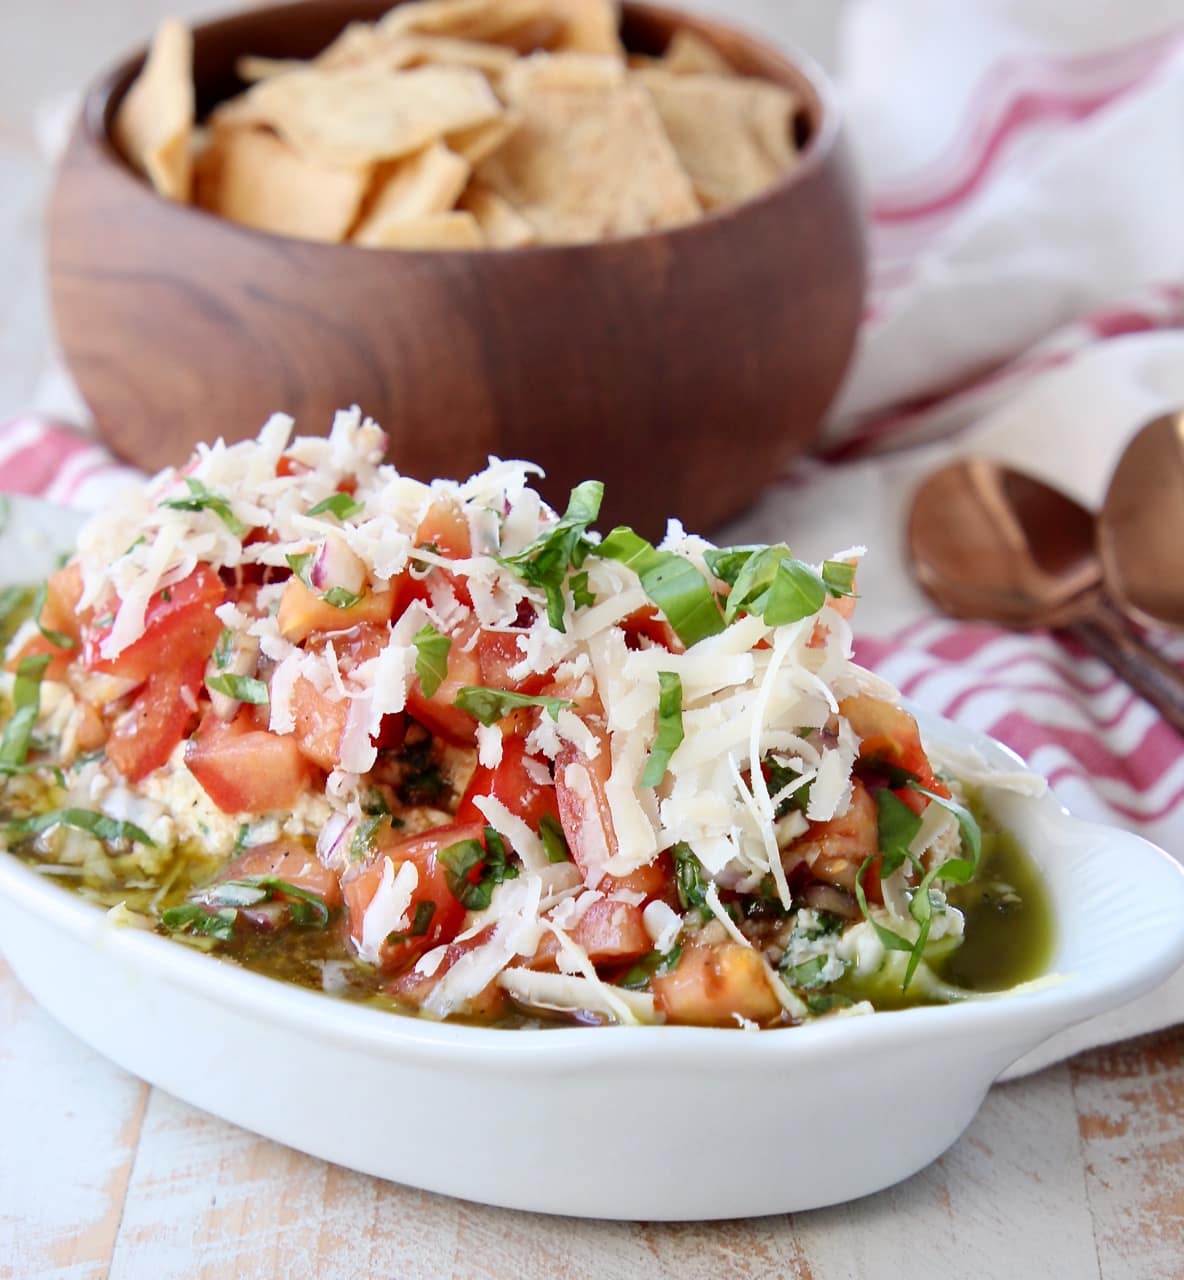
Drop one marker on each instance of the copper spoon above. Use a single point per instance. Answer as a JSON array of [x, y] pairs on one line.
[[990, 543], [1141, 526]]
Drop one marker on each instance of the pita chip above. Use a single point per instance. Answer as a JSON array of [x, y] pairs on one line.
[[155, 119]]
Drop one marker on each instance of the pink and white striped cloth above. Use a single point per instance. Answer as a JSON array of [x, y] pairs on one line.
[[1025, 178]]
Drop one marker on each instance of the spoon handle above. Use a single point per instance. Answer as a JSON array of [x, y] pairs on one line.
[[1107, 637]]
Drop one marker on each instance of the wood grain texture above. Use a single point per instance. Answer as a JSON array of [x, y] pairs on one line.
[[684, 367], [1130, 1106]]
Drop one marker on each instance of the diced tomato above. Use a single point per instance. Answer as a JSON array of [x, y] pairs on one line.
[[179, 626], [655, 880], [648, 624], [160, 717], [291, 862], [319, 724], [247, 769], [889, 737], [302, 612], [488, 1004], [431, 892], [612, 933], [584, 810], [713, 984], [513, 785], [437, 714], [837, 849], [445, 528]]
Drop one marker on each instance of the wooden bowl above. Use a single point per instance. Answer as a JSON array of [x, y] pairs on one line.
[[684, 367]]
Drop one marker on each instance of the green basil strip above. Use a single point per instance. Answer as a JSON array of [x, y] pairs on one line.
[[15, 605], [960, 870], [58, 639], [202, 499], [891, 941], [491, 705], [690, 878], [308, 909], [343, 506], [678, 589], [340, 598], [299, 563], [431, 659], [554, 841], [839, 577], [808, 974], [26, 707], [421, 922], [651, 966], [581, 594], [223, 649], [244, 688], [898, 826], [546, 562], [670, 731], [95, 824], [460, 860], [190, 918]]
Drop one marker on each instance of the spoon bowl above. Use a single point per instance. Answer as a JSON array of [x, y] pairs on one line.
[[991, 543], [1141, 525]]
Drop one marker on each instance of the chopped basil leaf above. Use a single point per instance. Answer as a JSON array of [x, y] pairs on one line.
[[431, 659], [15, 604], [670, 731], [689, 877], [190, 918], [420, 923], [651, 966], [308, 909], [224, 647], [340, 598], [362, 842], [897, 827], [299, 563], [244, 688], [546, 562], [770, 584], [462, 859], [779, 776], [491, 705], [341, 505], [672, 583], [12, 770], [891, 941], [201, 499], [57, 638], [726, 562], [95, 824], [824, 1002], [26, 707], [581, 595], [807, 974], [554, 841], [960, 870], [839, 577]]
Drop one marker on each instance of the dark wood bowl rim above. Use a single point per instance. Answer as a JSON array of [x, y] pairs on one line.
[[799, 71]]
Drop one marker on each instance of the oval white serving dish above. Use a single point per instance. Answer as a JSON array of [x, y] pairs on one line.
[[653, 1122]]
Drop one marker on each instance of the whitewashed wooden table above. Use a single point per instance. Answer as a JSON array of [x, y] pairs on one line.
[[1072, 1174]]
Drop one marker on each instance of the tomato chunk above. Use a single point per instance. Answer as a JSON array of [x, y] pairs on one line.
[[433, 904], [159, 718], [437, 714], [179, 626], [580, 783], [288, 861], [612, 933], [303, 612], [889, 738], [713, 984], [246, 769], [513, 785]]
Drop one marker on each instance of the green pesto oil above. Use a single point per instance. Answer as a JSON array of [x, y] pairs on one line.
[[1009, 921]]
